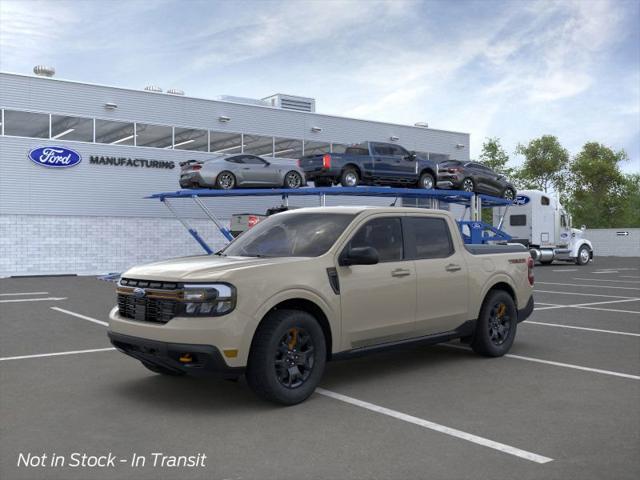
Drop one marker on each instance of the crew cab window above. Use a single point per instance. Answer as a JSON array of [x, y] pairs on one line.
[[398, 151], [356, 151], [518, 220], [383, 234], [382, 150], [427, 238]]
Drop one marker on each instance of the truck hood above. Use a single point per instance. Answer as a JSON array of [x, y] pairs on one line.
[[201, 268]]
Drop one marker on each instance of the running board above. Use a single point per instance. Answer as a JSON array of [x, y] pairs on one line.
[[464, 330]]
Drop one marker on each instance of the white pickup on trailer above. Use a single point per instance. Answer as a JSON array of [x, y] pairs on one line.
[[538, 221]]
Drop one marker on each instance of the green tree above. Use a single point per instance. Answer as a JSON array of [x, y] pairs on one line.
[[545, 164], [600, 196], [495, 157], [630, 215]]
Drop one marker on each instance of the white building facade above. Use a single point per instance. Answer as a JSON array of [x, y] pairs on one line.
[[92, 217]]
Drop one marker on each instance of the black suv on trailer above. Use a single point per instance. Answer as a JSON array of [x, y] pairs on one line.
[[474, 177], [371, 163]]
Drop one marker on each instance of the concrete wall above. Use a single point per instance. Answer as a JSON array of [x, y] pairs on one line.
[[607, 242]]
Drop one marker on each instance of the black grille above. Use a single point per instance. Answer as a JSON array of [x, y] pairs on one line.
[[147, 309], [131, 282]]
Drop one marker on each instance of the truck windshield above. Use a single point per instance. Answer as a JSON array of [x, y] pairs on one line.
[[290, 235]]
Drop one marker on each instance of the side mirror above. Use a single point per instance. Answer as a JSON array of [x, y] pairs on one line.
[[359, 256], [411, 156]]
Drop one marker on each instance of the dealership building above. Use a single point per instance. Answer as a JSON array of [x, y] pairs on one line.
[[92, 217]]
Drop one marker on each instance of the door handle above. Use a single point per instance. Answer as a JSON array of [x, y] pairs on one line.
[[452, 267], [400, 272], [246, 168]]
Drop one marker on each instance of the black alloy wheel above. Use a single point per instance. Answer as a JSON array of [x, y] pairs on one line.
[[294, 358], [496, 325]]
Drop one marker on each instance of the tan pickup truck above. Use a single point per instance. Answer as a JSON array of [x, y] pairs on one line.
[[315, 284]]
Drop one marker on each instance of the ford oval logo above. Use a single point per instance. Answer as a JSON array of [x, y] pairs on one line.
[[139, 292], [55, 157], [521, 200]]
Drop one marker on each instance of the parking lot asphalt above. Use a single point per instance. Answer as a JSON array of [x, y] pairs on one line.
[[565, 403]]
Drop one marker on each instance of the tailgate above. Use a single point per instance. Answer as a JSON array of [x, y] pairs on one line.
[[312, 162]]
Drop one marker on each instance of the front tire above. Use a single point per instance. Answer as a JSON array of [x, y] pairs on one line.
[[349, 177], [293, 180], [287, 357], [584, 255], [225, 180], [509, 194], [496, 325], [426, 182]]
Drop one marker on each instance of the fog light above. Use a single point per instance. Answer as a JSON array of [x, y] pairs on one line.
[[186, 358], [231, 353]]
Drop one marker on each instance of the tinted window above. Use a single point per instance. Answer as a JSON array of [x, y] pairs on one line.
[[544, 200], [357, 151], [291, 235], [398, 151], [428, 237], [383, 234], [239, 159], [382, 150], [518, 220], [26, 124], [253, 160]]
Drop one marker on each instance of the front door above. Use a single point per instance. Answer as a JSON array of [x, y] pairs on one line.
[[441, 275], [378, 301], [258, 171]]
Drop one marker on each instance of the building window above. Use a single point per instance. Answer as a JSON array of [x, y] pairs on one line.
[[26, 124], [287, 148], [191, 139], [157, 136], [316, 148], [115, 133], [225, 143], [258, 145], [71, 128]]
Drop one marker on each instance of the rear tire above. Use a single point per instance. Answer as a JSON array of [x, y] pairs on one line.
[[287, 357], [584, 255], [349, 177], [162, 370], [468, 185], [496, 325], [225, 180], [509, 194], [293, 180]]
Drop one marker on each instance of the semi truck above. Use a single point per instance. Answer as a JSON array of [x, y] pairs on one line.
[[538, 221]]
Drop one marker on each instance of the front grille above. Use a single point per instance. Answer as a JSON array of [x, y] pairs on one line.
[[147, 309], [131, 282]]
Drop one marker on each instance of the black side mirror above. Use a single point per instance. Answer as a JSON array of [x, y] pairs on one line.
[[411, 156], [360, 256]]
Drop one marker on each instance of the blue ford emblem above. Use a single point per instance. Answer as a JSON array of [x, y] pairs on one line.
[[55, 157], [139, 293], [521, 200]]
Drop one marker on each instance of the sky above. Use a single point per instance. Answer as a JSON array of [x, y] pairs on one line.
[[514, 69]]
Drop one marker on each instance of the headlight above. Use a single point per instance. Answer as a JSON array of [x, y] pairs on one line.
[[208, 300]]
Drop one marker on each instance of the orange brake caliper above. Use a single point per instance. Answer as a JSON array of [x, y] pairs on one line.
[[501, 310], [294, 338]]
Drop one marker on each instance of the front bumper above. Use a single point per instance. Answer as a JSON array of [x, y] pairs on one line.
[[206, 359], [526, 311]]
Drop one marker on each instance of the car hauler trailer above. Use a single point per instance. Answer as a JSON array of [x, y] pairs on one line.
[[540, 222], [473, 230]]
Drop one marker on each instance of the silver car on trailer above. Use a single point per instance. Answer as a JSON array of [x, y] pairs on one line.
[[243, 170]]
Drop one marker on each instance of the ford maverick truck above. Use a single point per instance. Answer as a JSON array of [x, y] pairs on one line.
[[371, 163], [311, 285]]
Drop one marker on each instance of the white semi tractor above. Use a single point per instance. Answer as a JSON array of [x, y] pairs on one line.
[[538, 221]]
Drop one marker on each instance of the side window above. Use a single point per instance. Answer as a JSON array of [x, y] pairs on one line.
[[398, 151], [381, 149], [238, 159], [428, 238], [544, 201], [253, 160], [563, 221], [518, 220], [383, 234]]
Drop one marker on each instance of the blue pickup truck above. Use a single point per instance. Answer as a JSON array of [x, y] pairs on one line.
[[371, 163]]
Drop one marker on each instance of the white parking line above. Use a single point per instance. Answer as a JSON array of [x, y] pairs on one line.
[[84, 317], [589, 305], [598, 330], [557, 364], [23, 293], [485, 442], [607, 280], [584, 294], [606, 271], [629, 276], [56, 354], [611, 310], [567, 270], [50, 299], [582, 285]]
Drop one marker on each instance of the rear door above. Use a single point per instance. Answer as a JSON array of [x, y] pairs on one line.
[[383, 160], [441, 275], [378, 301]]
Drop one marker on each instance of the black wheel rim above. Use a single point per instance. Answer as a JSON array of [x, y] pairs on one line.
[[467, 185], [293, 180], [226, 181], [499, 323], [294, 359]]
